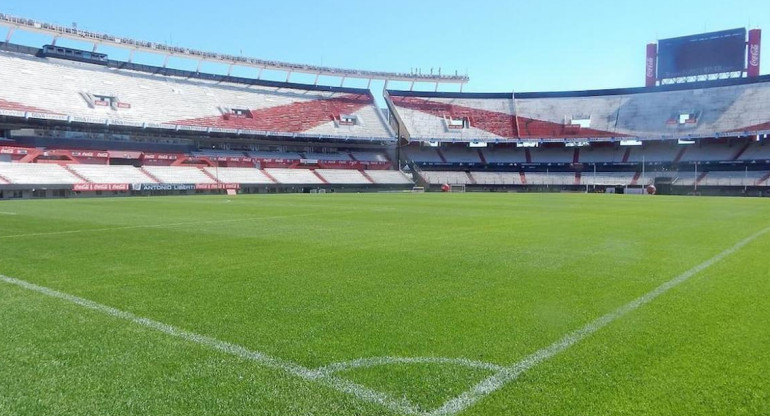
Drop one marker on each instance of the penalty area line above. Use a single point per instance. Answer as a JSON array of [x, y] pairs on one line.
[[511, 373], [401, 406]]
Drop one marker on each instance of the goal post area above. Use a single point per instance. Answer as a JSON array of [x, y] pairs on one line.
[[457, 188]]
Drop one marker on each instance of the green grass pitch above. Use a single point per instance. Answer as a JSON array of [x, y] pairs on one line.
[[375, 304]]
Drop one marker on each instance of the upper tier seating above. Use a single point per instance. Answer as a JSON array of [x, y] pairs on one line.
[[702, 112], [217, 153], [327, 156], [178, 174], [655, 152], [423, 154], [274, 155], [60, 87], [37, 174], [756, 151], [602, 154], [369, 156], [111, 174], [553, 155], [456, 154], [505, 155], [709, 152]]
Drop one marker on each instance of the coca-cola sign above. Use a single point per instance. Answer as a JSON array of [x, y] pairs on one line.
[[754, 55], [90, 187], [650, 67]]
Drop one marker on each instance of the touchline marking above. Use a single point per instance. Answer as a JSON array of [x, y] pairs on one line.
[[7, 213], [173, 224], [401, 406], [511, 373]]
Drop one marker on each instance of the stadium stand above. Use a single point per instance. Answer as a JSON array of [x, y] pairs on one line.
[[95, 94], [607, 178], [388, 177], [110, 174], [368, 156], [37, 174], [212, 132], [294, 176], [239, 175], [499, 154], [343, 176], [736, 178], [179, 174], [447, 177], [692, 110], [496, 178]]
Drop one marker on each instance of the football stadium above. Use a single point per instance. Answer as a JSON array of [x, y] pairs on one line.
[[183, 242]]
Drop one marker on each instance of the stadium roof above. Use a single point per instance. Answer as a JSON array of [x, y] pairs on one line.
[[96, 38]]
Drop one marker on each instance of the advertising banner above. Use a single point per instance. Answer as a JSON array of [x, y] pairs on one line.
[[755, 45]]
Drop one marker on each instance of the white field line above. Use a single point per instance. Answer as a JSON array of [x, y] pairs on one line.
[[7, 213], [399, 406], [165, 225], [511, 373], [380, 361]]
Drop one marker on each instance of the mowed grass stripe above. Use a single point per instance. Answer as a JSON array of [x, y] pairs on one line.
[[484, 277], [320, 377], [509, 374]]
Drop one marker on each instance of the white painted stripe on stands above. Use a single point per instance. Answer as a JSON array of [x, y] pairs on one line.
[[401, 406], [511, 373]]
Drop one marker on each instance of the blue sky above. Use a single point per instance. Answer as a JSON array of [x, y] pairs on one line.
[[502, 45]]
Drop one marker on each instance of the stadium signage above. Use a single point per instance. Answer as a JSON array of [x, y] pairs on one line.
[[90, 187], [13, 151], [161, 156], [754, 55], [162, 187], [650, 67], [89, 154], [211, 186]]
